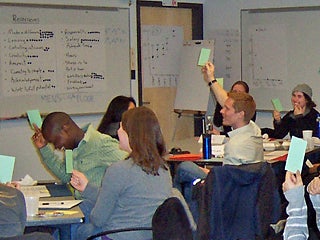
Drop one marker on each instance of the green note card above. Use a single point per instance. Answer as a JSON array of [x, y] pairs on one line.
[[6, 168], [69, 160], [204, 56], [296, 154], [277, 104], [34, 117], [220, 81]]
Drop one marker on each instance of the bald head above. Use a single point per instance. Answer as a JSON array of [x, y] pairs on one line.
[[53, 122], [59, 129]]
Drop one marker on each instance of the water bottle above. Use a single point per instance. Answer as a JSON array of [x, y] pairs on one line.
[[206, 146], [318, 121]]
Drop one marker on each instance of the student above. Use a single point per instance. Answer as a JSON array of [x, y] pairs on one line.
[[302, 117], [13, 215], [92, 151], [245, 142], [111, 119], [133, 188], [238, 86], [13, 211], [296, 227]]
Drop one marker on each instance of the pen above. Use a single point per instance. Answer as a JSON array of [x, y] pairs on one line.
[[46, 203]]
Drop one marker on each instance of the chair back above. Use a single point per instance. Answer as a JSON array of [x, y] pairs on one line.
[[238, 202], [170, 221]]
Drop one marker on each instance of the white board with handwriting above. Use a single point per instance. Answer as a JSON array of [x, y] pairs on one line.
[[62, 59]]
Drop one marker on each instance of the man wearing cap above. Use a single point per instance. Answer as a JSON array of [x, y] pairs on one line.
[[302, 117]]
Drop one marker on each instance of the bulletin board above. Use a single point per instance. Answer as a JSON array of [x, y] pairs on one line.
[[280, 49], [66, 58]]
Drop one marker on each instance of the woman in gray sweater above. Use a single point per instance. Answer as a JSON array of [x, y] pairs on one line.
[[132, 189]]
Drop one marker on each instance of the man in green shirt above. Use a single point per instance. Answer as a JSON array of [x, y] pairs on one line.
[[92, 152]]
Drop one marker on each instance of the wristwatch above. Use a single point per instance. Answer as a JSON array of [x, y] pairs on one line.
[[212, 82]]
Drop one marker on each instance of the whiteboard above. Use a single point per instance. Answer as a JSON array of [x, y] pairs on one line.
[[192, 91], [72, 59], [280, 49]]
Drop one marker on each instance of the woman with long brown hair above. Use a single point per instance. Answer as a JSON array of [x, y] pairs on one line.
[[132, 189]]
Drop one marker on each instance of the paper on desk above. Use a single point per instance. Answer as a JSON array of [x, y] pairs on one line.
[[27, 181], [296, 154], [59, 204], [38, 190], [270, 156], [54, 212], [6, 168]]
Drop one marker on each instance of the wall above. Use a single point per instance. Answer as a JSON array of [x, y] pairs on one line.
[[15, 135], [226, 15]]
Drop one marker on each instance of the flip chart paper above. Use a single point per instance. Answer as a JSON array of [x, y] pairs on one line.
[[34, 117], [296, 154], [6, 168], [69, 161], [277, 104], [204, 56]]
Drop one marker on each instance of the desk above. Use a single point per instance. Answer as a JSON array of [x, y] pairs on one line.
[[63, 223]]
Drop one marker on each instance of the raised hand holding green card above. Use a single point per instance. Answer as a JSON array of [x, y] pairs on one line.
[[34, 118], [296, 154], [277, 104], [204, 56]]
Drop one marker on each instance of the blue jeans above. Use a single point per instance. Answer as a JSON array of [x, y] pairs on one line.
[[186, 173], [183, 179]]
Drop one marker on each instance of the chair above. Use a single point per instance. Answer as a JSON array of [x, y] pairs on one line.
[[104, 234], [169, 222], [238, 202], [31, 236]]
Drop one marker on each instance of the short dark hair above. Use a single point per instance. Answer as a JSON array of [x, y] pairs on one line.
[[243, 84]]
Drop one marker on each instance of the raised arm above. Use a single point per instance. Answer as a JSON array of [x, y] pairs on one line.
[[208, 75], [296, 227]]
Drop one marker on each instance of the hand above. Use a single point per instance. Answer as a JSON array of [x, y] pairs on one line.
[[208, 72], [215, 131], [14, 185], [38, 138], [78, 180], [314, 186], [292, 181], [297, 110], [277, 116], [205, 170], [314, 169]]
